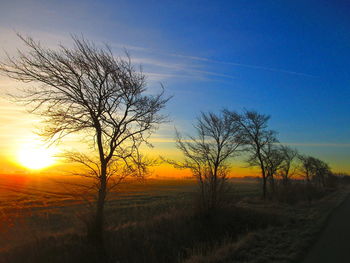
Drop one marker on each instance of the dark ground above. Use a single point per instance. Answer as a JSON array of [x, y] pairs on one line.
[[333, 244]]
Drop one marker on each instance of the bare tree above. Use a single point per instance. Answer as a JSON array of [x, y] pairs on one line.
[[306, 167], [258, 138], [314, 170], [207, 154], [86, 90], [273, 158], [287, 168], [321, 171]]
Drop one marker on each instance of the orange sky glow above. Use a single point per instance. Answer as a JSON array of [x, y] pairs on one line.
[[24, 152]]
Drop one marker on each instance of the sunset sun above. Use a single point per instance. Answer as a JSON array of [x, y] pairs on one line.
[[35, 157]]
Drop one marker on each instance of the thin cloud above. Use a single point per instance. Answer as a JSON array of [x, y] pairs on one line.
[[155, 62], [241, 65], [316, 144], [169, 140], [181, 75], [163, 76], [203, 59], [213, 73], [181, 69]]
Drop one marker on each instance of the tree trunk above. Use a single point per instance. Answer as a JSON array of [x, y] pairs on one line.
[[97, 231], [214, 193], [264, 187], [272, 184], [203, 202], [98, 224], [99, 217], [263, 171], [96, 235]]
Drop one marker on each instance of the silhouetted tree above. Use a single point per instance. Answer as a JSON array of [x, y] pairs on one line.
[[273, 159], [287, 166], [87, 90], [207, 154], [255, 134], [321, 172], [306, 167], [314, 170]]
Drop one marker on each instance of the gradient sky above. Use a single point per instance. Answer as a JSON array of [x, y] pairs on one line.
[[288, 59]]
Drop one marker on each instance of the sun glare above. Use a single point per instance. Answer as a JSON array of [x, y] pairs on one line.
[[35, 157]]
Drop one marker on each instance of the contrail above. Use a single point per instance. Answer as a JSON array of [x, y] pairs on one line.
[[203, 59], [240, 65], [316, 144]]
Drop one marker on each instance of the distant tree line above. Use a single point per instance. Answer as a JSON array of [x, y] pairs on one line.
[[221, 137]]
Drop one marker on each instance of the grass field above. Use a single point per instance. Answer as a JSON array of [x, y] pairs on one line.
[[155, 221], [33, 207]]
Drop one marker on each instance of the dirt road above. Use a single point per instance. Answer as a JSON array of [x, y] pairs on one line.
[[333, 245]]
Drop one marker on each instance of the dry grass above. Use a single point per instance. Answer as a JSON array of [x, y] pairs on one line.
[[157, 222], [36, 207], [284, 243]]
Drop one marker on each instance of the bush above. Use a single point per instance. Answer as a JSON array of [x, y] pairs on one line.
[[298, 191]]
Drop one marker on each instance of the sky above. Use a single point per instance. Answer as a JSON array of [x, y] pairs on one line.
[[287, 59]]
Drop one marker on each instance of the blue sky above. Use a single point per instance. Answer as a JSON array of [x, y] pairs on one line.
[[289, 59]]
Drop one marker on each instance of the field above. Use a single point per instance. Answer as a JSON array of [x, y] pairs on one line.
[[156, 218], [33, 207]]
